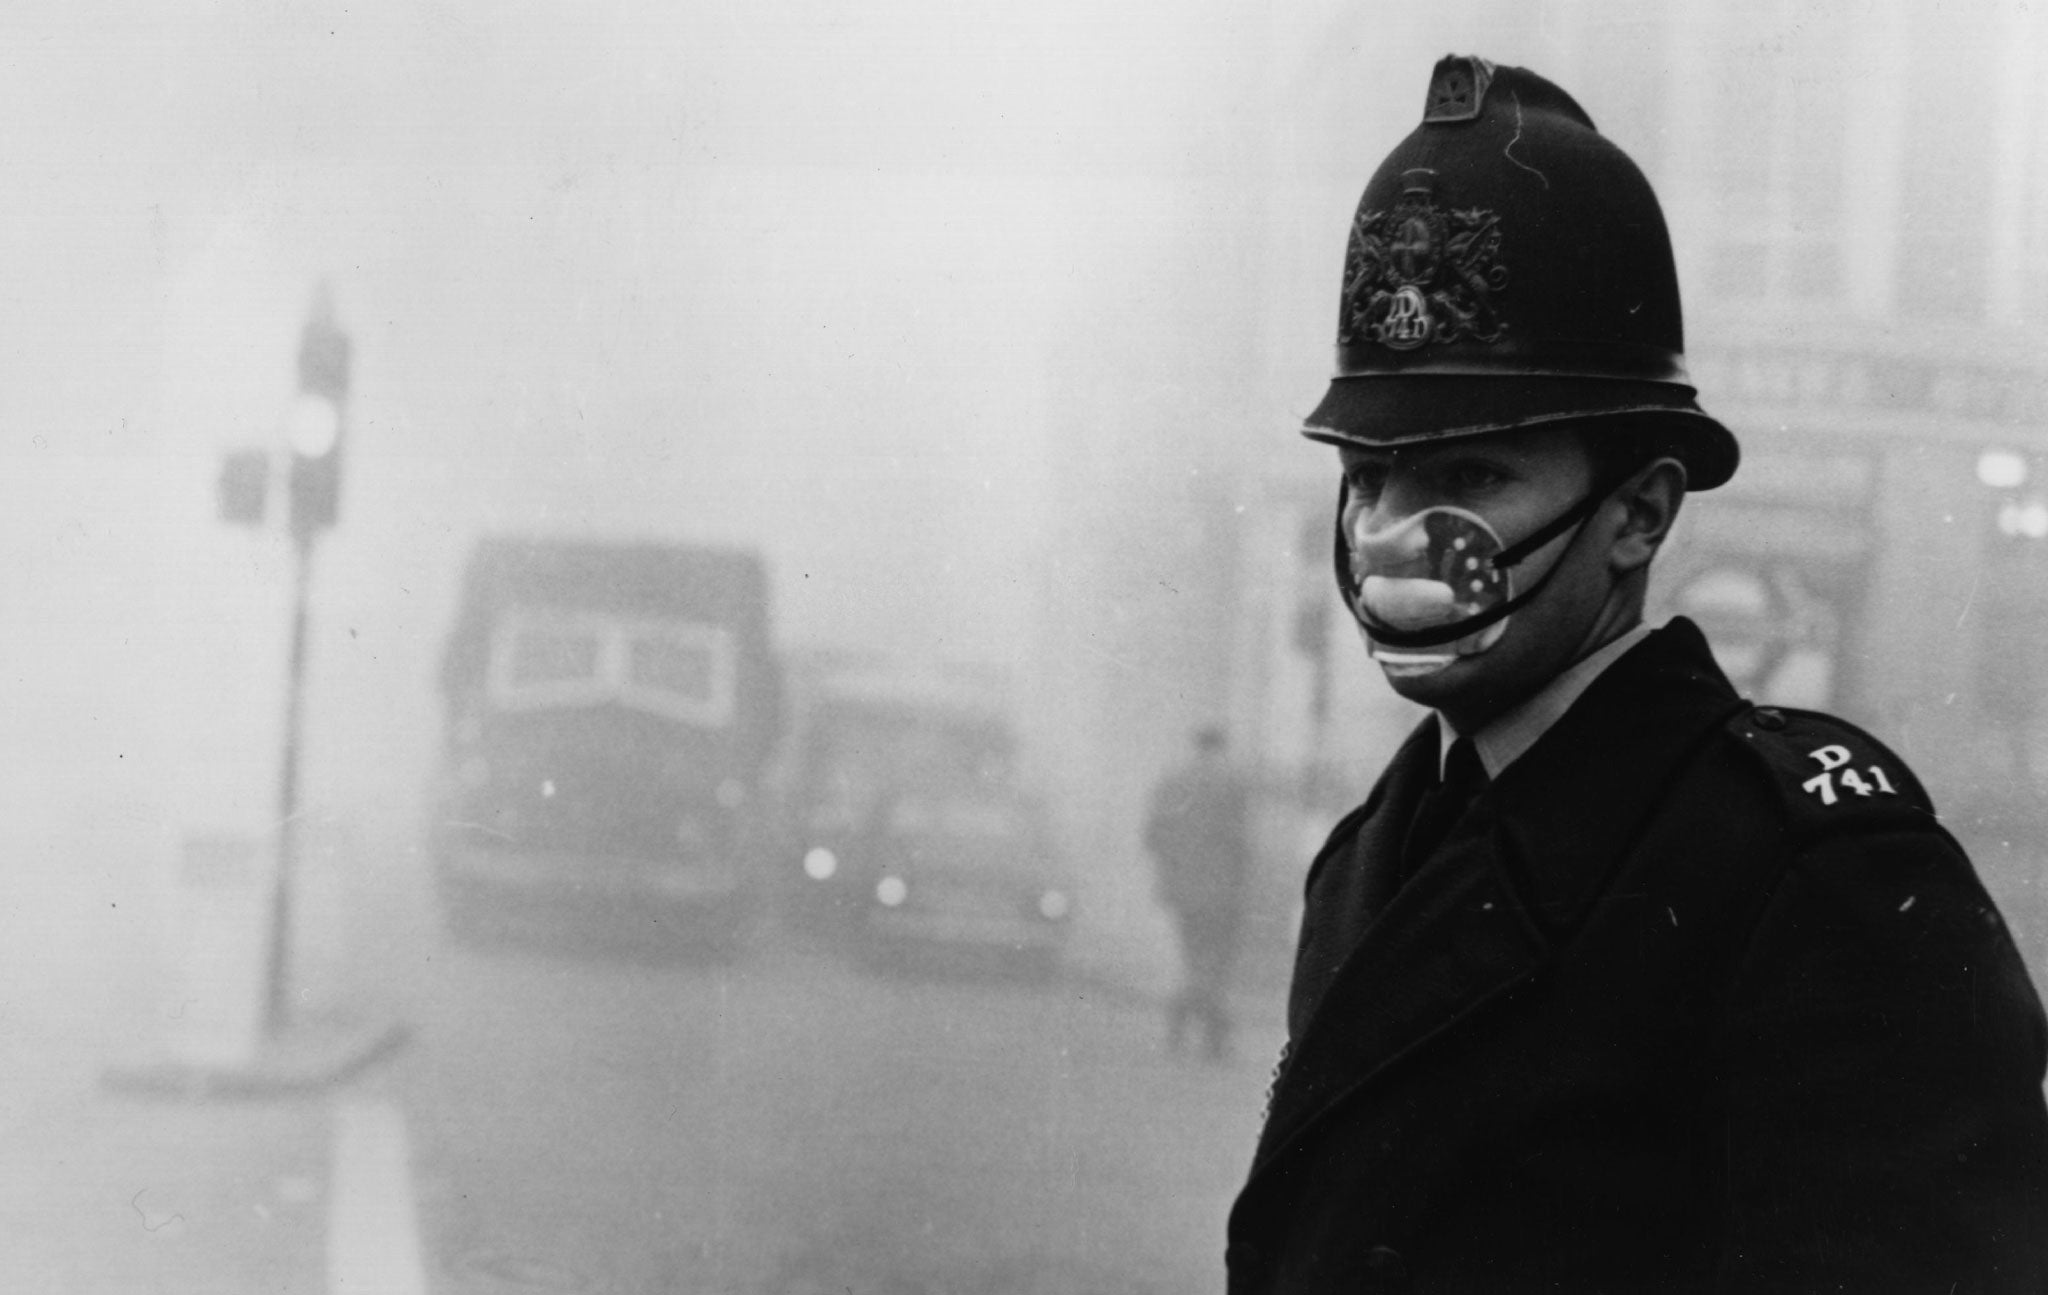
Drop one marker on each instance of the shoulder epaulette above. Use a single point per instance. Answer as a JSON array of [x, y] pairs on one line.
[[1828, 773]]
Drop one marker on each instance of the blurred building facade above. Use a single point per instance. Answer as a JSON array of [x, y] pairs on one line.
[[1859, 200]]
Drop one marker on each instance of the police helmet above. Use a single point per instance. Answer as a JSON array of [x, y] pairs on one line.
[[1509, 268]]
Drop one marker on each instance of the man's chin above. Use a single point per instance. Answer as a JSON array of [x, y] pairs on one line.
[[1414, 667], [1427, 682], [1470, 690]]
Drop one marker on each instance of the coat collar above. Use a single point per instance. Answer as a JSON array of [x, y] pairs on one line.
[[1485, 909], [1505, 738], [1569, 808]]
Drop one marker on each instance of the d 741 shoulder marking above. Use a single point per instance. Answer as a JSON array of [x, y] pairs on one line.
[[1829, 774], [1834, 767]]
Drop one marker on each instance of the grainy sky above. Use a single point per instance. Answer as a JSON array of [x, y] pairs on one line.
[[814, 275], [788, 273]]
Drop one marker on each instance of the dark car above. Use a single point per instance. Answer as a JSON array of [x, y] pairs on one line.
[[863, 734], [610, 711], [968, 870]]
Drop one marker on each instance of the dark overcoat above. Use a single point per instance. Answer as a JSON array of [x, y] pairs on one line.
[[1697, 996]]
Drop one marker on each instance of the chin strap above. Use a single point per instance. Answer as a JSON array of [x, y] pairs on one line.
[[1512, 556]]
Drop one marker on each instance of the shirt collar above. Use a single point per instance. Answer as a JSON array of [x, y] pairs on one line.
[[1503, 740]]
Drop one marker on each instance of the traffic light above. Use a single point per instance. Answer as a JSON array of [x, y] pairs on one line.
[[317, 423]]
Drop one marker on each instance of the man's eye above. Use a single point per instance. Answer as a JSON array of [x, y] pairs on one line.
[[1467, 477], [1366, 480]]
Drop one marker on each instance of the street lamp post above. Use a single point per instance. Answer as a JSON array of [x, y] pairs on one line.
[[315, 432], [286, 1056]]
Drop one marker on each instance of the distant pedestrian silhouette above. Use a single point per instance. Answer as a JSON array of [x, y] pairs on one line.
[[1197, 834]]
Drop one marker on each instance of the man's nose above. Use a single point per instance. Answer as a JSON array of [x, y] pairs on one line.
[[1400, 498]]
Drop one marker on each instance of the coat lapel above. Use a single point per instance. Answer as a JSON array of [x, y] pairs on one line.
[[1376, 851], [1453, 937], [1483, 912], [1346, 887]]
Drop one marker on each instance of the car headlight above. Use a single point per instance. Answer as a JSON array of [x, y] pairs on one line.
[[820, 863], [891, 892]]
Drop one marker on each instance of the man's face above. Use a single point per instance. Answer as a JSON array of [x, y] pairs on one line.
[[1517, 482]]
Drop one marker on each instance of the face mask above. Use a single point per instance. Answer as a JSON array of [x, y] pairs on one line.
[[1439, 584], [1427, 573]]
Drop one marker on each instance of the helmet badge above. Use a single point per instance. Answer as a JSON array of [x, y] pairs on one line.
[[1419, 272]]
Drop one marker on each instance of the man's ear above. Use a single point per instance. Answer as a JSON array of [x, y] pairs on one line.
[[1650, 501]]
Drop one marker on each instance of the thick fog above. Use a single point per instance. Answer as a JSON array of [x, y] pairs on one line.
[[989, 328]]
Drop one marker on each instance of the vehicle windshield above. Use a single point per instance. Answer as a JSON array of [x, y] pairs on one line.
[[677, 669]]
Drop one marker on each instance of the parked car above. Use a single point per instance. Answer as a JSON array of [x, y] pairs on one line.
[[965, 868], [864, 733]]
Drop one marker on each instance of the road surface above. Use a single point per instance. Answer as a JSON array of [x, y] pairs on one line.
[[577, 1114]]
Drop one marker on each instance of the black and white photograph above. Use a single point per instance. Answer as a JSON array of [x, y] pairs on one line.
[[812, 648]]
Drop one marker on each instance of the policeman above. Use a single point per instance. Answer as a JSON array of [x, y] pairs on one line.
[[1615, 981]]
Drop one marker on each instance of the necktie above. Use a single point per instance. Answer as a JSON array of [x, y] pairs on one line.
[[1442, 806]]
